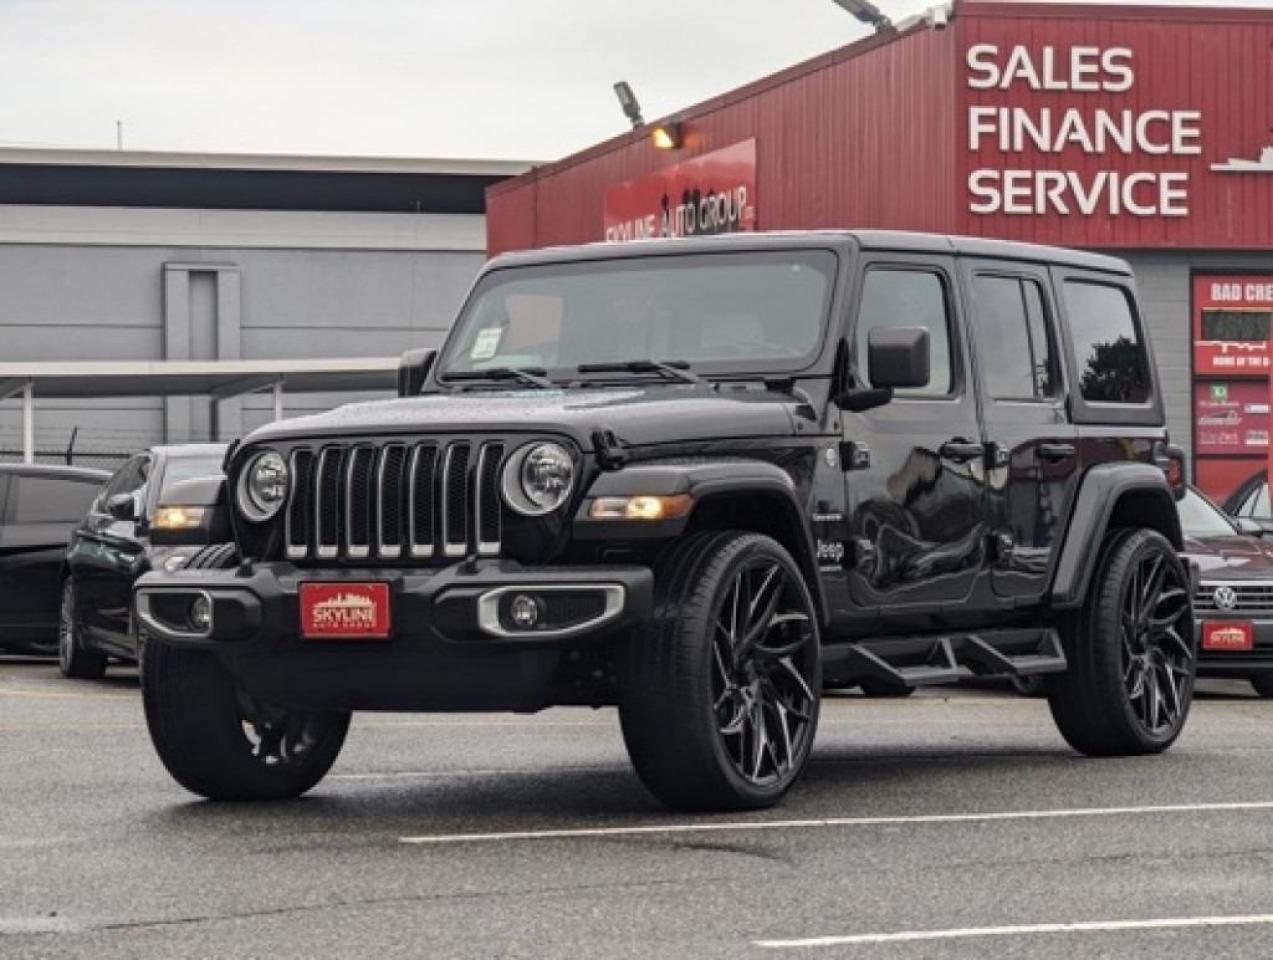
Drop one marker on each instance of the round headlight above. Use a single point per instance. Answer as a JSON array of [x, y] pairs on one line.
[[538, 478], [263, 486]]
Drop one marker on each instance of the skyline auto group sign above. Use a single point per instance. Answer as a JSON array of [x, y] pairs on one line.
[[1064, 101], [708, 194]]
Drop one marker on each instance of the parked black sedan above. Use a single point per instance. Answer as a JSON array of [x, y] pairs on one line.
[[112, 547], [39, 507], [1234, 602]]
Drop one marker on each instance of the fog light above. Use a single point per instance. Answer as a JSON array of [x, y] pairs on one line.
[[201, 613], [524, 611]]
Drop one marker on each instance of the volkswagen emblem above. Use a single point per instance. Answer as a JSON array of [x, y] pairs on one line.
[[1226, 598]]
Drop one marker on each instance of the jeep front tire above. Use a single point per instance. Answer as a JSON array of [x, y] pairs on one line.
[[719, 694], [222, 744], [1131, 651]]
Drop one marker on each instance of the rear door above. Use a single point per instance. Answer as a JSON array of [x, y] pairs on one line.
[[39, 514], [1032, 457], [916, 514]]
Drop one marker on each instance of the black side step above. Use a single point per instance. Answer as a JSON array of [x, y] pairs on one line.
[[919, 661]]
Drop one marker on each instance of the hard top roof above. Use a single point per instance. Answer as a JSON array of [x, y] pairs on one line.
[[181, 450], [55, 470], [897, 240]]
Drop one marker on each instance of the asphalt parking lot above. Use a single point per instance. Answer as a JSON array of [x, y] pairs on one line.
[[956, 824]]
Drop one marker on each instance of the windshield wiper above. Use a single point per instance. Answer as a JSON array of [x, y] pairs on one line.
[[527, 376], [671, 369]]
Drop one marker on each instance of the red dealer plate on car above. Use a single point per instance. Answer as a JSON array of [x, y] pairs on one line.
[[1226, 635], [348, 611]]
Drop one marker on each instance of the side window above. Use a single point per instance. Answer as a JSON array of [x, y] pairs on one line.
[[904, 297], [48, 500], [1259, 504], [1112, 366], [127, 479], [1014, 347]]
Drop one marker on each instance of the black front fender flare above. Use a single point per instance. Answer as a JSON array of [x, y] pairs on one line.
[[705, 482]]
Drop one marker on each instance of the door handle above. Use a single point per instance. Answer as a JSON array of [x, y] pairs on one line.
[[960, 450], [1056, 451]]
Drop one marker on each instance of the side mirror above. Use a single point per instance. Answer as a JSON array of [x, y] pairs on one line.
[[898, 357], [1248, 526], [122, 506], [413, 370]]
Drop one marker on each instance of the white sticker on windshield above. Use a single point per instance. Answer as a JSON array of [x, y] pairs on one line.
[[486, 344]]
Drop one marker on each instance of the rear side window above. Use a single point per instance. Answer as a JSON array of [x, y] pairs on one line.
[[48, 500], [1112, 366], [901, 297], [1014, 347]]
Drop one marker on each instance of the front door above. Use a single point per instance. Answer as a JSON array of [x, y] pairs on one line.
[[108, 554], [1032, 455], [916, 514]]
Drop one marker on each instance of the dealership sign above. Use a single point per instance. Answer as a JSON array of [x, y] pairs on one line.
[[712, 193], [1068, 100], [1231, 325]]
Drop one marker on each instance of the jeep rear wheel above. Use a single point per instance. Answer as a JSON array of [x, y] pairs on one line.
[[1131, 651], [719, 696], [222, 744]]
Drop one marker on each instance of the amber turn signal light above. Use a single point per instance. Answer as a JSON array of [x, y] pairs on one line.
[[647, 507], [178, 518]]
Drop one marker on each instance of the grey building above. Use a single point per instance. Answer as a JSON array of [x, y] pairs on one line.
[[148, 256]]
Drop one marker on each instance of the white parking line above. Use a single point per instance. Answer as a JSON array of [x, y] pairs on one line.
[[735, 826], [1084, 926]]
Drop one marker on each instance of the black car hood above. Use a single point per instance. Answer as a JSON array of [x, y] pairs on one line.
[[638, 415], [1232, 557]]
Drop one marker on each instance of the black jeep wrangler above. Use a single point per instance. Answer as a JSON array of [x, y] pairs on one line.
[[703, 480]]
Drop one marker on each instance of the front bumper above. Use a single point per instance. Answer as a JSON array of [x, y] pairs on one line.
[[448, 650]]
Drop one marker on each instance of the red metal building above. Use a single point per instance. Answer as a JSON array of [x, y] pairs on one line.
[[1140, 130]]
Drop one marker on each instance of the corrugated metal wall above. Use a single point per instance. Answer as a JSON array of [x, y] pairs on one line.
[[876, 134], [860, 137]]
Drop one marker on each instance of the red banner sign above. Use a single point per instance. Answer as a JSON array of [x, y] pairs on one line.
[[712, 193]]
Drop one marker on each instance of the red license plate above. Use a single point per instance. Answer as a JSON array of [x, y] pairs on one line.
[[348, 611], [1226, 635]]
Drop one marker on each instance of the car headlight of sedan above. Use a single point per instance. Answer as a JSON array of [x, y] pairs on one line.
[[263, 486], [538, 478]]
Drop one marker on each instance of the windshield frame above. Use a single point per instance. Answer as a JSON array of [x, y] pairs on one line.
[[1207, 502], [813, 363]]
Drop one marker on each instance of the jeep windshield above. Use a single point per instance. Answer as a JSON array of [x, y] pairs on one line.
[[753, 312]]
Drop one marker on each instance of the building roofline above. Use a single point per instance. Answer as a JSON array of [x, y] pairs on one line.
[[961, 8], [32, 156]]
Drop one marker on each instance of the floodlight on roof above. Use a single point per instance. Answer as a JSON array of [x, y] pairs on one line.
[[628, 101], [865, 11]]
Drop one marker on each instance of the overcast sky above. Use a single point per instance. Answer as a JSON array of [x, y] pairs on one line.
[[443, 78]]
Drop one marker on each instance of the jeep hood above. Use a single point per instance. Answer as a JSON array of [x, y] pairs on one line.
[[637, 415]]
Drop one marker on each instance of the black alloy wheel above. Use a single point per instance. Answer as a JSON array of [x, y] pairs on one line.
[[719, 695], [762, 647], [1131, 650], [1158, 662]]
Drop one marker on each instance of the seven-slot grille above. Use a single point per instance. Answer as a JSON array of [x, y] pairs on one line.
[[432, 500], [1249, 598]]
